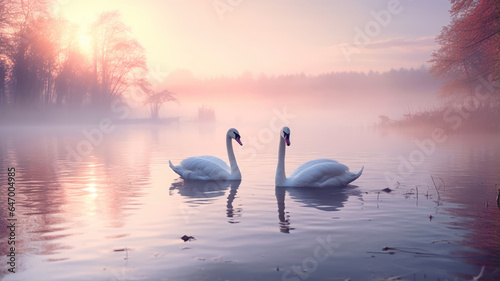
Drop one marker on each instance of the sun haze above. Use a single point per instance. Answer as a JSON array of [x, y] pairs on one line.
[[213, 38]]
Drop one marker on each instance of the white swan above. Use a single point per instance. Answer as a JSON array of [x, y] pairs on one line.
[[315, 173], [209, 167]]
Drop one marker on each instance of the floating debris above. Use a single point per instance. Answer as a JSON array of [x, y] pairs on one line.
[[498, 195], [122, 250], [387, 190], [389, 250], [436, 241], [222, 260], [187, 238]]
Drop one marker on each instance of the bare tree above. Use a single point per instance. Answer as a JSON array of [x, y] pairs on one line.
[[155, 100], [119, 60]]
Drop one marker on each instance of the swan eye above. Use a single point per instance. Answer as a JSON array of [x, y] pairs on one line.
[[236, 136]]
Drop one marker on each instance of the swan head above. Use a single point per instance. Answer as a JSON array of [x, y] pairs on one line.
[[233, 133], [285, 134]]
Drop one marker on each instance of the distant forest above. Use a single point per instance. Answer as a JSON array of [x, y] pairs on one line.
[[469, 59], [336, 88], [272, 86]]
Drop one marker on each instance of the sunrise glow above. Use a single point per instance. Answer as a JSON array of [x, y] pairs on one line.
[[85, 43], [250, 139], [271, 39]]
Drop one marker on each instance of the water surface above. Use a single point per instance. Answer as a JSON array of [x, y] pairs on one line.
[[115, 211]]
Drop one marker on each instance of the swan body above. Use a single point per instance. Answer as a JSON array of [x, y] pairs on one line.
[[210, 167], [314, 173]]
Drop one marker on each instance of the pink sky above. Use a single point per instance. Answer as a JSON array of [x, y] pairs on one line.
[[228, 37]]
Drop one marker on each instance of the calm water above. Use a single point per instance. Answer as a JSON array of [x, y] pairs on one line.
[[117, 212]]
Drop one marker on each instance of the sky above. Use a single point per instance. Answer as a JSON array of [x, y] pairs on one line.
[[212, 38]]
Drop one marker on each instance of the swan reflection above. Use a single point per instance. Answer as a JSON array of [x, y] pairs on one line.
[[324, 199], [203, 193]]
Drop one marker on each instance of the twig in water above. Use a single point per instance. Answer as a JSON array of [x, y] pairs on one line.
[[498, 195], [476, 278], [378, 277], [444, 185], [435, 241], [437, 190]]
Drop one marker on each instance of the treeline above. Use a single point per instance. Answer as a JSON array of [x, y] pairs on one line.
[[44, 69], [469, 52], [343, 85], [469, 60]]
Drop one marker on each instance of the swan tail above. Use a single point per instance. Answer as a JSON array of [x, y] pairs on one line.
[[353, 176], [360, 172], [177, 169]]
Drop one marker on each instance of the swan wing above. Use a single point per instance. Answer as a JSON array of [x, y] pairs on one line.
[[203, 168], [321, 173], [311, 163], [217, 161]]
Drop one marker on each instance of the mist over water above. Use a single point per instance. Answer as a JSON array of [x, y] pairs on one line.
[[121, 211], [95, 193], [99, 100], [342, 99]]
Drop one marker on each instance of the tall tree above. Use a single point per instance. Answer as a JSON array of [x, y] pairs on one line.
[[469, 48], [35, 63], [119, 60], [3, 80], [30, 51], [6, 18], [72, 85]]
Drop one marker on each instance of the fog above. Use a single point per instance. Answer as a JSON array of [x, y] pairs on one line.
[[57, 72], [339, 99]]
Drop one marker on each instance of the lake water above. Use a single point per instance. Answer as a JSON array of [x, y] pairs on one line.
[[115, 210]]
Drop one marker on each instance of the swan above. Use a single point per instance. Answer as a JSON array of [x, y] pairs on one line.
[[315, 173], [210, 167]]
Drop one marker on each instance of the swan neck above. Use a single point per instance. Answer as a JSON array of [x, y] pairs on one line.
[[280, 170], [235, 170]]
